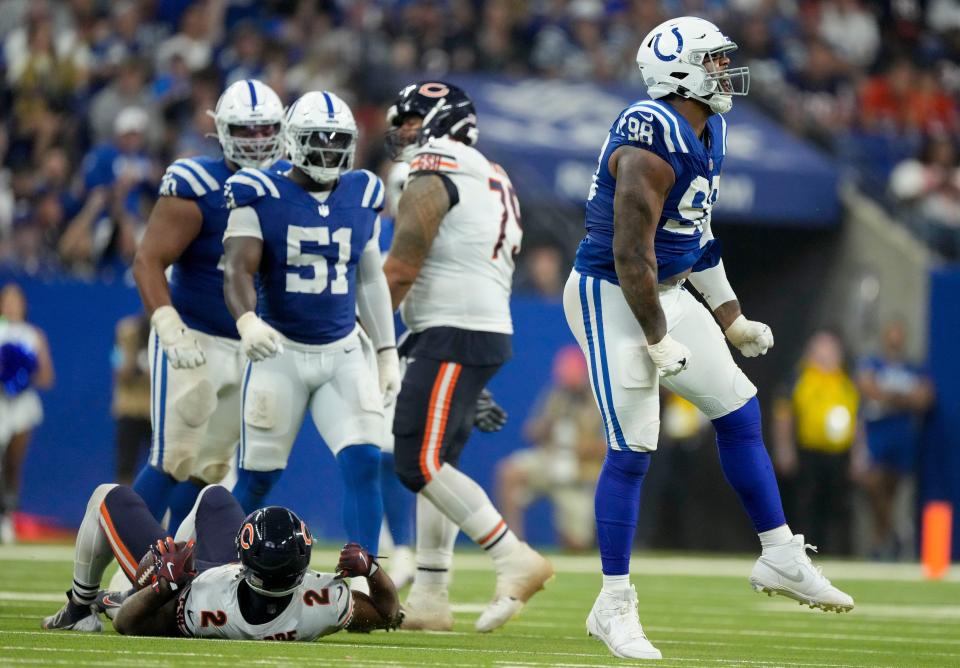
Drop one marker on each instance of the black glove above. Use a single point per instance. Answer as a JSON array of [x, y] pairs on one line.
[[490, 415]]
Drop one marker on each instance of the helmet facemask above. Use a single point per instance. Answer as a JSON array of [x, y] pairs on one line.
[[323, 154], [251, 151], [720, 85]]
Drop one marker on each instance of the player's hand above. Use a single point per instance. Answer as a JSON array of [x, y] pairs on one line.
[[669, 355], [751, 337], [173, 564], [181, 347], [356, 562], [259, 340], [490, 415], [388, 369]]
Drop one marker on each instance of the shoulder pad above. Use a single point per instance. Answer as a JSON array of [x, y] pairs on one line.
[[649, 125], [247, 186], [435, 157], [368, 187], [188, 178]]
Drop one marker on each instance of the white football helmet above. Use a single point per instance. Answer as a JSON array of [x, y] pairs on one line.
[[673, 58], [320, 135], [243, 115]]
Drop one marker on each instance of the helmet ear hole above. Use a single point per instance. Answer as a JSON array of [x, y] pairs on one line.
[[679, 75]]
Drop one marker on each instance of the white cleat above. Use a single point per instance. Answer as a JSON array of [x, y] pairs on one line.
[[402, 566], [788, 571], [427, 609], [73, 618], [522, 575], [615, 620]]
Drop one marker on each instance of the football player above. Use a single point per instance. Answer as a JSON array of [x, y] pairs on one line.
[[648, 233], [195, 359], [225, 576], [450, 268], [311, 235]]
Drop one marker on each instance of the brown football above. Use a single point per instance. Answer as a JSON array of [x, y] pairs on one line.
[[145, 571]]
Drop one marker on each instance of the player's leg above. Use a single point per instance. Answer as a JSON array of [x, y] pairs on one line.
[[274, 398], [348, 412], [627, 395], [213, 523], [717, 386], [182, 400], [398, 508]]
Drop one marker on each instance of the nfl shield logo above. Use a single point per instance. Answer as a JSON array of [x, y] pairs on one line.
[[324, 210]]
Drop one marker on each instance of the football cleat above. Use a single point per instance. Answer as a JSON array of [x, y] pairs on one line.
[[73, 617], [109, 602], [427, 609], [615, 619], [519, 577], [402, 566], [787, 570]]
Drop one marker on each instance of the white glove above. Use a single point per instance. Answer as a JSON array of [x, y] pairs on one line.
[[669, 355], [388, 368], [258, 339], [181, 347], [751, 337]]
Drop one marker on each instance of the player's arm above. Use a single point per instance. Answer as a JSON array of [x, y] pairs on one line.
[[423, 204], [243, 249], [379, 610], [376, 314], [43, 377], [643, 182], [149, 612]]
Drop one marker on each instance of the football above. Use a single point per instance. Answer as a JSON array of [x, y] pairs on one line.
[[145, 571]]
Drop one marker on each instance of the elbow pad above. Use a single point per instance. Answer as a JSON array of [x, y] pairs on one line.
[[713, 286]]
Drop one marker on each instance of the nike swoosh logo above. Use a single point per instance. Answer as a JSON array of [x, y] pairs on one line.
[[796, 577], [170, 569], [646, 117], [108, 602]]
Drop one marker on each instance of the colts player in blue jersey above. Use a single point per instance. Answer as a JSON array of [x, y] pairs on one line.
[[648, 232], [312, 237], [195, 359]]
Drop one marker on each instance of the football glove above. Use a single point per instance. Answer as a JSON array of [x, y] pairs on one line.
[[356, 562], [751, 337], [173, 563], [669, 355], [259, 340], [490, 415], [388, 370], [179, 344]]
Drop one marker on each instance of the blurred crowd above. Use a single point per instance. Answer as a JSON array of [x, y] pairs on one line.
[[98, 96]]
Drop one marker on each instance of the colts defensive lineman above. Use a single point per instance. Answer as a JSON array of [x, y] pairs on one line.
[[195, 358], [451, 265], [648, 231], [253, 583], [312, 237]]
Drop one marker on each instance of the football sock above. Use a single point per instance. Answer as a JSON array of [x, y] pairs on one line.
[[362, 497], [182, 498], [615, 584], [465, 502], [747, 466], [154, 487], [617, 506], [436, 535], [253, 486], [397, 502], [775, 537], [92, 553]]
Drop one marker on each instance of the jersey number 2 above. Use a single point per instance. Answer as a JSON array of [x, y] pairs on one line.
[[304, 246], [506, 193]]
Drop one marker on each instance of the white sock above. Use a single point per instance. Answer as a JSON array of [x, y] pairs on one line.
[[92, 553], [775, 537], [465, 502], [436, 534], [615, 584]]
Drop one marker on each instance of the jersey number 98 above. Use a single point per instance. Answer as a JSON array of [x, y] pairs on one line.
[[304, 249], [639, 131]]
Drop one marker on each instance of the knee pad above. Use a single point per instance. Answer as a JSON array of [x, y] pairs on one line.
[[211, 474], [740, 427], [197, 404], [407, 469], [100, 494], [360, 463]]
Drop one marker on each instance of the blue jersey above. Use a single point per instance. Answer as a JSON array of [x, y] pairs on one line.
[[657, 127], [310, 249]]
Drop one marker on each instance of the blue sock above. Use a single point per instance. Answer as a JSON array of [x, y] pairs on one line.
[[617, 506], [362, 498], [747, 466], [398, 502], [154, 487], [253, 486], [182, 498]]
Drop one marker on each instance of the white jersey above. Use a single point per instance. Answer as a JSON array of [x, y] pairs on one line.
[[466, 279], [321, 605]]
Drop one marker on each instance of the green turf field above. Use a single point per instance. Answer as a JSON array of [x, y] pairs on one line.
[[698, 611]]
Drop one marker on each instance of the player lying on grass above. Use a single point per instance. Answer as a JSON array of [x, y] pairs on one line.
[[226, 576]]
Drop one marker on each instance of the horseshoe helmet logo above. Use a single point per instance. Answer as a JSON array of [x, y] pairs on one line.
[[667, 57]]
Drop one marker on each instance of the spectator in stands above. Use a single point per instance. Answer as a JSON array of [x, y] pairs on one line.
[[131, 394], [897, 394], [815, 427], [851, 29], [542, 273], [201, 25], [128, 89], [563, 464], [905, 99], [25, 367]]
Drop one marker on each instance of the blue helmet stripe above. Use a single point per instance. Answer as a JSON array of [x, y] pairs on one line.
[[326, 96], [253, 94]]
